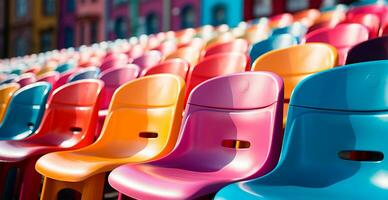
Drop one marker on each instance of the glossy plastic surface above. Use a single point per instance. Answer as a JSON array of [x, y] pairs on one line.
[[76, 104], [245, 108], [370, 21], [379, 10], [114, 60], [373, 49], [190, 54], [238, 45], [6, 92], [272, 43], [343, 37], [86, 73], [155, 107], [296, 29], [281, 20], [9, 79], [49, 77], [175, 66], [65, 67], [26, 79], [319, 131], [148, 60], [295, 63], [216, 65], [24, 112]]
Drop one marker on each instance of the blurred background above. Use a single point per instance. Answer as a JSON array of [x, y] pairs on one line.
[[32, 26]]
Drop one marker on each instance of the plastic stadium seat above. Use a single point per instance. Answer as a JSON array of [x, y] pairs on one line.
[[219, 39], [379, 10], [307, 17], [33, 69], [114, 60], [6, 92], [25, 79], [190, 54], [49, 77], [238, 45], [297, 29], [24, 112], [9, 79], [334, 147], [196, 43], [167, 47], [295, 63], [256, 33], [384, 29], [63, 78], [373, 49], [86, 73], [148, 60], [65, 67], [69, 122], [137, 129], [175, 66], [343, 37], [216, 65], [370, 21], [328, 20], [272, 43], [136, 51], [281, 20], [232, 131]]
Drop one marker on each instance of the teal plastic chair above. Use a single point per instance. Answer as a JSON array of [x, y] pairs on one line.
[[296, 29], [65, 67], [272, 43], [25, 111], [335, 140]]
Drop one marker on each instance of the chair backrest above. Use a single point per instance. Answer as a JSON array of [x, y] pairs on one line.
[[25, 111], [65, 67], [175, 66], [307, 17], [232, 125], [379, 10], [273, 42], [373, 49], [167, 47], [148, 60], [63, 78], [113, 78], [114, 60], [216, 65], [6, 93], [147, 123], [296, 29], [370, 21], [49, 77], [26, 79], [344, 133], [190, 54], [86, 73], [343, 37], [295, 63], [281, 20], [136, 51], [238, 45], [76, 104], [9, 79]]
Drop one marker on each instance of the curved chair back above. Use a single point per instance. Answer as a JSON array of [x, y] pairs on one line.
[[148, 60], [190, 54], [370, 21], [86, 73], [6, 93], [26, 79], [296, 29], [238, 45], [373, 49], [175, 66], [112, 61], [65, 67], [25, 111], [49, 77]]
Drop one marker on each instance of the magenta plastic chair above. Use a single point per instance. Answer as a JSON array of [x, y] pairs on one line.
[[380, 10], [343, 37], [148, 60], [50, 77], [26, 79], [114, 60], [63, 78], [370, 21], [232, 131]]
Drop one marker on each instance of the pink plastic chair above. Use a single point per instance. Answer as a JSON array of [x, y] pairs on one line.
[[232, 131], [370, 21], [136, 51], [380, 10], [238, 45], [63, 78], [50, 77], [26, 79], [343, 37], [175, 66], [167, 47], [148, 60], [114, 60]]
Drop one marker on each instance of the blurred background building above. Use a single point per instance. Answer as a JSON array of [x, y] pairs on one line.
[[33, 26]]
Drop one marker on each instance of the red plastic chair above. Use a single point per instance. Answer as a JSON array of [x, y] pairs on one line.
[[281, 20], [175, 66], [232, 131], [384, 29], [380, 10], [114, 60], [26, 79], [50, 77], [216, 65], [238, 45], [343, 37], [370, 21], [148, 60], [69, 122]]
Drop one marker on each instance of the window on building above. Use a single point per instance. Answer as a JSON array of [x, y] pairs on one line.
[[21, 8], [262, 8], [120, 28], [120, 2], [68, 37], [151, 22], [93, 31], [219, 14], [296, 5], [46, 40], [188, 17], [70, 6], [21, 47], [49, 7]]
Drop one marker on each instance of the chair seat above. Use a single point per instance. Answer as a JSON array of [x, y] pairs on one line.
[[155, 182]]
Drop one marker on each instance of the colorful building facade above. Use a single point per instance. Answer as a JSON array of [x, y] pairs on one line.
[[185, 14], [90, 22], [66, 22], [45, 26], [217, 12], [119, 15]]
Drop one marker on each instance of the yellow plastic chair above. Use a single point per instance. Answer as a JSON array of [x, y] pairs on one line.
[[142, 125], [6, 93], [295, 63], [190, 54]]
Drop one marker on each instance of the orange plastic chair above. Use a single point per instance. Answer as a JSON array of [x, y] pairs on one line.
[[257, 33], [175, 66], [6, 92], [190, 54], [307, 17], [138, 129], [295, 63], [238, 45], [221, 38]]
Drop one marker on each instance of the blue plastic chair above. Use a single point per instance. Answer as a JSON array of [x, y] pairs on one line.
[[296, 29], [335, 140], [274, 42], [87, 73], [65, 67], [25, 111], [10, 79]]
